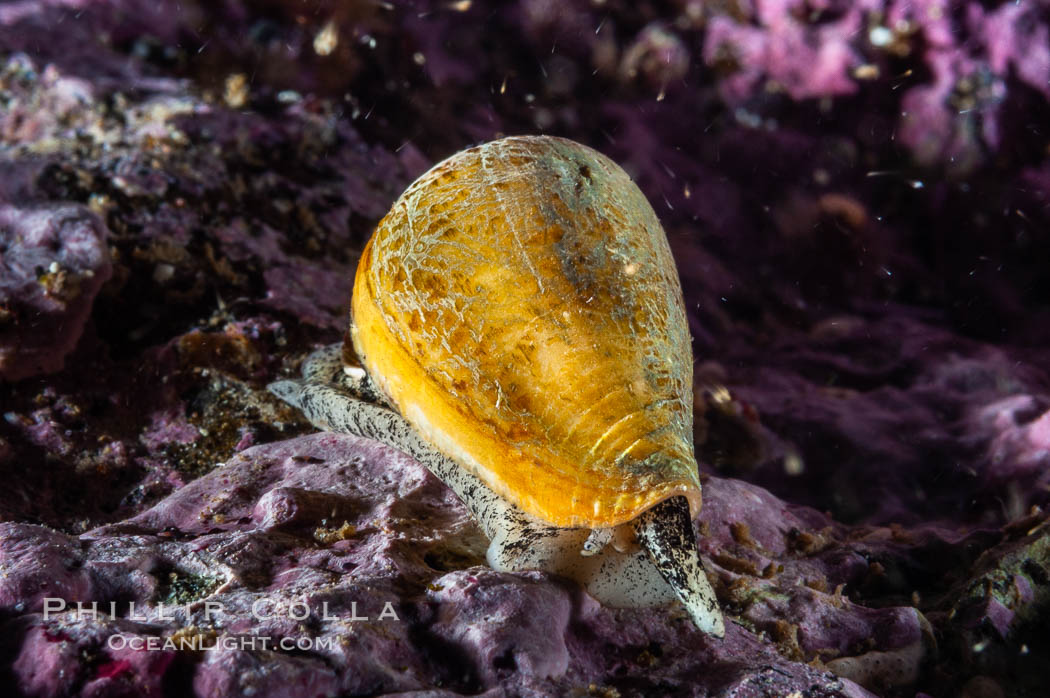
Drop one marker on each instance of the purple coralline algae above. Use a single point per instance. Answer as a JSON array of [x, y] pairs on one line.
[[54, 260], [777, 46], [358, 549], [858, 201]]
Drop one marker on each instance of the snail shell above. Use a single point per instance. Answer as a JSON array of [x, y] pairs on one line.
[[520, 307]]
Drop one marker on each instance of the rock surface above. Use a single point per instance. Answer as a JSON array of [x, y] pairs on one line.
[[858, 199], [54, 260]]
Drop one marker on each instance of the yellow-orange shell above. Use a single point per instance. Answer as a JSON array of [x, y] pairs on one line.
[[520, 307]]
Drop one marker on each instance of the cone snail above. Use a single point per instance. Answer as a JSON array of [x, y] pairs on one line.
[[517, 326]]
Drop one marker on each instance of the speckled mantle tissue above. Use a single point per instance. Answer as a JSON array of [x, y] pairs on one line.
[[858, 199]]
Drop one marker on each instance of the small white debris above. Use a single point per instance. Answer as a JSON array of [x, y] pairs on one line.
[[163, 272], [880, 36], [326, 40]]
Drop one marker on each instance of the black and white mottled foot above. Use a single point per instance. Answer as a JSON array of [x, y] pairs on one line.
[[666, 532], [614, 574], [623, 580], [325, 366], [596, 541]]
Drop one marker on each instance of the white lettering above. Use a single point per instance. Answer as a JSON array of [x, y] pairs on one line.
[[211, 607], [132, 614], [388, 612], [299, 604], [90, 612], [257, 609], [324, 643], [52, 605]]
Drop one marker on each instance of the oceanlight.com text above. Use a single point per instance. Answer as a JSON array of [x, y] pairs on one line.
[[200, 643]]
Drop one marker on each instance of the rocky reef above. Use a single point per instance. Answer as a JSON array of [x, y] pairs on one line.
[[858, 199]]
